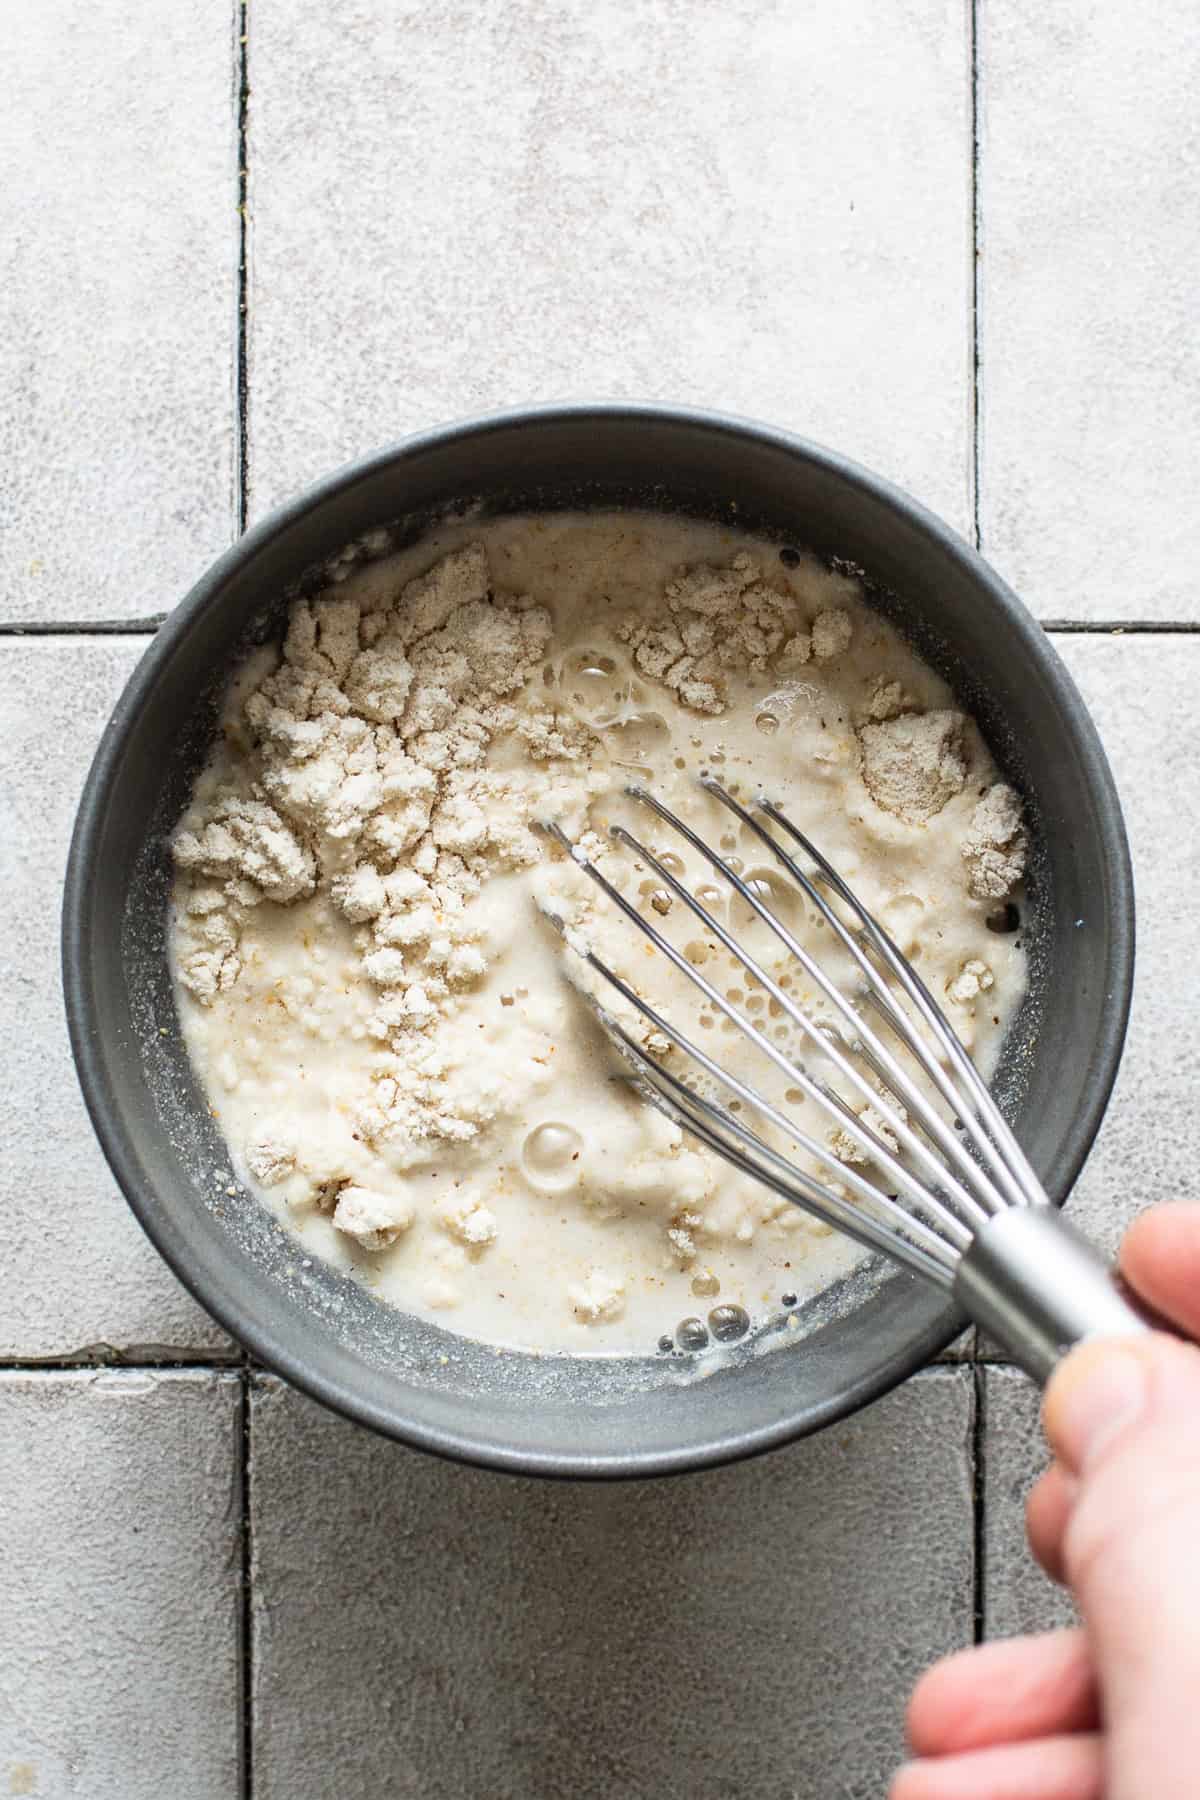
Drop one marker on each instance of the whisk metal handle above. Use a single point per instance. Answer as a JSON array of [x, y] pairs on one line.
[[1040, 1288]]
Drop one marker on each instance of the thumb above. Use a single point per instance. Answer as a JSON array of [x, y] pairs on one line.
[[1124, 1418]]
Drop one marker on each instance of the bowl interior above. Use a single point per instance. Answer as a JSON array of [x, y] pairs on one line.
[[323, 1331]]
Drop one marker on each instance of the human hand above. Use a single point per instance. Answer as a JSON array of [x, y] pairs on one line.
[[1110, 1711]]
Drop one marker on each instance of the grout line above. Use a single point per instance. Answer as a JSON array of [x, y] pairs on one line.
[[83, 627], [241, 401], [978, 1423], [976, 251], [1123, 627], [113, 1362], [246, 1615], [241, 394]]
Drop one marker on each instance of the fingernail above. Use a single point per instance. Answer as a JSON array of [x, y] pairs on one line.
[[1097, 1393]]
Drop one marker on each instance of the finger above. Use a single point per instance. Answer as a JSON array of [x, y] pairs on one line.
[[1002, 1693], [1058, 1768], [1125, 1418], [1160, 1257], [1047, 1511]]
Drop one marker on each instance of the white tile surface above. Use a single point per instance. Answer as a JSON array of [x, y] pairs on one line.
[[753, 1631], [1091, 263], [119, 1564], [760, 206], [1141, 691], [117, 305], [75, 1269], [1017, 1597], [764, 207]]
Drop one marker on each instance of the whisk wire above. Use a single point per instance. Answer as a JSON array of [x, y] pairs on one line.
[[1014, 1171], [903, 1178], [901, 1087], [851, 1121], [918, 1247], [878, 991], [893, 1101], [882, 998], [865, 1190]]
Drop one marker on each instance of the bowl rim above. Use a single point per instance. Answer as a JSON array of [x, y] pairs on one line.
[[83, 1013]]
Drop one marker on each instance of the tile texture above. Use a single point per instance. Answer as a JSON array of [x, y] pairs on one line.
[[1017, 1597], [750, 1631], [1141, 693], [755, 207], [118, 1585], [117, 306], [1091, 260], [75, 1269]]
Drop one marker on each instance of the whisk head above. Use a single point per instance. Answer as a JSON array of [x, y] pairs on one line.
[[945, 1160]]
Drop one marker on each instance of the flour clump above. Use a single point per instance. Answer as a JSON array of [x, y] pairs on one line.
[[912, 765], [375, 1220], [995, 846]]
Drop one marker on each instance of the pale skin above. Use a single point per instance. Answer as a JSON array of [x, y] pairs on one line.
[[1110, 1711]]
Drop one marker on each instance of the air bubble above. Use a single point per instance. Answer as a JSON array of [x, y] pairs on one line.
[[635, 738], [691, 1334], [549, 1155], [780, 898], [728, 1323], [591, 674], [705, 1284], [767, 723]]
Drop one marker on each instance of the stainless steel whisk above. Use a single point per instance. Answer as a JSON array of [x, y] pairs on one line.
[[962, 1208]]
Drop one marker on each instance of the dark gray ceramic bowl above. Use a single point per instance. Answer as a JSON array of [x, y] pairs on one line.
[[322, 1332]]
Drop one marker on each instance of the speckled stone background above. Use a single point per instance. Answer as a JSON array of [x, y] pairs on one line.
[[244, 242]]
